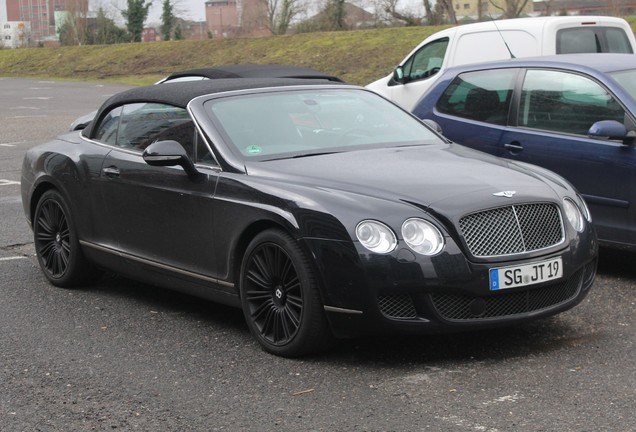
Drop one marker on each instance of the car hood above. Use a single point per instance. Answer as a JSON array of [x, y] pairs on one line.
[[448, 178]]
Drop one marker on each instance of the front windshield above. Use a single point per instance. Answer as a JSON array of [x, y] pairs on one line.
[[627, 80], [296, 123]]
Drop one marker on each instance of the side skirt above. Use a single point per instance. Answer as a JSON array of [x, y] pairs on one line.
[[163, 275]]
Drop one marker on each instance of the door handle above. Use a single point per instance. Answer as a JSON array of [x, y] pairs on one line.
[[111, 171], [513, 147]]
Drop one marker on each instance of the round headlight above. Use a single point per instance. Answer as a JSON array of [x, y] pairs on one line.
[[376, 236], [422, 236], [573, 214]]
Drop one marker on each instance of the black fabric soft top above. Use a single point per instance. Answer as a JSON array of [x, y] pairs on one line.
[[253, 71], [181, 93]]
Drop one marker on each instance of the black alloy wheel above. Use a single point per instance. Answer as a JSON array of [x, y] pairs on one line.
[[280, 297], [56, 243]]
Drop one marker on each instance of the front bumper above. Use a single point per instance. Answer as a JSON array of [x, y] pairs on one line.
[[403, 293]]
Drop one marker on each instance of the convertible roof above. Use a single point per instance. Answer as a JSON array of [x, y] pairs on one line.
[[181, 93], [252, 71]]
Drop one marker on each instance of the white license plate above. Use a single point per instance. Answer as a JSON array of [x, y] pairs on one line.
[[526, 274]]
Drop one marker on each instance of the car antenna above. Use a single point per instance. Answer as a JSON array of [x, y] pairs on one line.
[[501, 34]]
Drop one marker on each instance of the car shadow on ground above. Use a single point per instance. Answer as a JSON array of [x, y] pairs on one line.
[[170, 302], [533, 338], [618, 263]]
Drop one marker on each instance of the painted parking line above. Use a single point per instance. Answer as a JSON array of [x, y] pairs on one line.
[[26, 117], [12, 258], [8, 182], [38, 98]]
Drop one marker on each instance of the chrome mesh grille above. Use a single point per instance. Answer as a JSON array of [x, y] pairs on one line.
[[512, 229], [462, 308], [397, 307]]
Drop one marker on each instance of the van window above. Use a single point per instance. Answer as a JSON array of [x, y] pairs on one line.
[[592, 40], [427, 61], [482, 96], [617, 41]]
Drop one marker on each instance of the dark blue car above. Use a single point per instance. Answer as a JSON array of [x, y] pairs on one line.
[[573, 114]]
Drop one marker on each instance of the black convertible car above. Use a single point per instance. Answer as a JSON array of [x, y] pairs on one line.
[[321, 209]]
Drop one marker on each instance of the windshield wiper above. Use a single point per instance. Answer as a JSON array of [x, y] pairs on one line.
[[302, 155]]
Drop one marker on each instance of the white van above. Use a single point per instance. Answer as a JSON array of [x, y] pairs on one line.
[[497, 40]]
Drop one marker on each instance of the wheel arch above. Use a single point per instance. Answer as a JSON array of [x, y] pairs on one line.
[[248, 234], [40, 189]]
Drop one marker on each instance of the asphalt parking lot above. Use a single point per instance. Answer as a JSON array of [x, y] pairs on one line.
[[126, 356]]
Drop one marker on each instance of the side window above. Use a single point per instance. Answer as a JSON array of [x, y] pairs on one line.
[[565, 102], [144, 123], [107, 130], [203, 154], [427, 61], [483, 96]]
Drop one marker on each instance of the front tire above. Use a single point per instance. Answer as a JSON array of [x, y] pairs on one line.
[[56, 243], [280, 298]]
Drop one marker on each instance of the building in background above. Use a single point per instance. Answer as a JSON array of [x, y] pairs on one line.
[[586, 7], [193, 30], [227, 18], [41, 15], [15, 34], [150, 34]]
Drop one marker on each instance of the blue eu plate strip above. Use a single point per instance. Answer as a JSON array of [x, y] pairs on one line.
[[494, 280]]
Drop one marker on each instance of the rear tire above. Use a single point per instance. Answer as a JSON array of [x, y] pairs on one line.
[[280, 297], [56, 244]]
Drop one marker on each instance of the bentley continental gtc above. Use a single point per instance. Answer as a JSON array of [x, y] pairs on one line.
[[320, 209]]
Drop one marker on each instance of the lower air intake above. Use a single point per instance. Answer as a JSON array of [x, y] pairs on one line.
[[453, 307], [397, 307]]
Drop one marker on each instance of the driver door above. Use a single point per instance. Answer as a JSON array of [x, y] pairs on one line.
[[159, 216]]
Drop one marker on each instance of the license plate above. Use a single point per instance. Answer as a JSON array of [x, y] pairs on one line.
[[526, 274]]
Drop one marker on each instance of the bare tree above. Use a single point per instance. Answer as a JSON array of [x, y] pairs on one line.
[[280, 14], [447, 7], [409, 18], [433, 15], [74, 28], [511, 8], [334, 14]]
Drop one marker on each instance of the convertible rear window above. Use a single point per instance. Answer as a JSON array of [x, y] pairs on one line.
[[289, 123]]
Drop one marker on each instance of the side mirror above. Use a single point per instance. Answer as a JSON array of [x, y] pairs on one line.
[[433, 125], [611, 130], [398, 74], [169, 153]]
